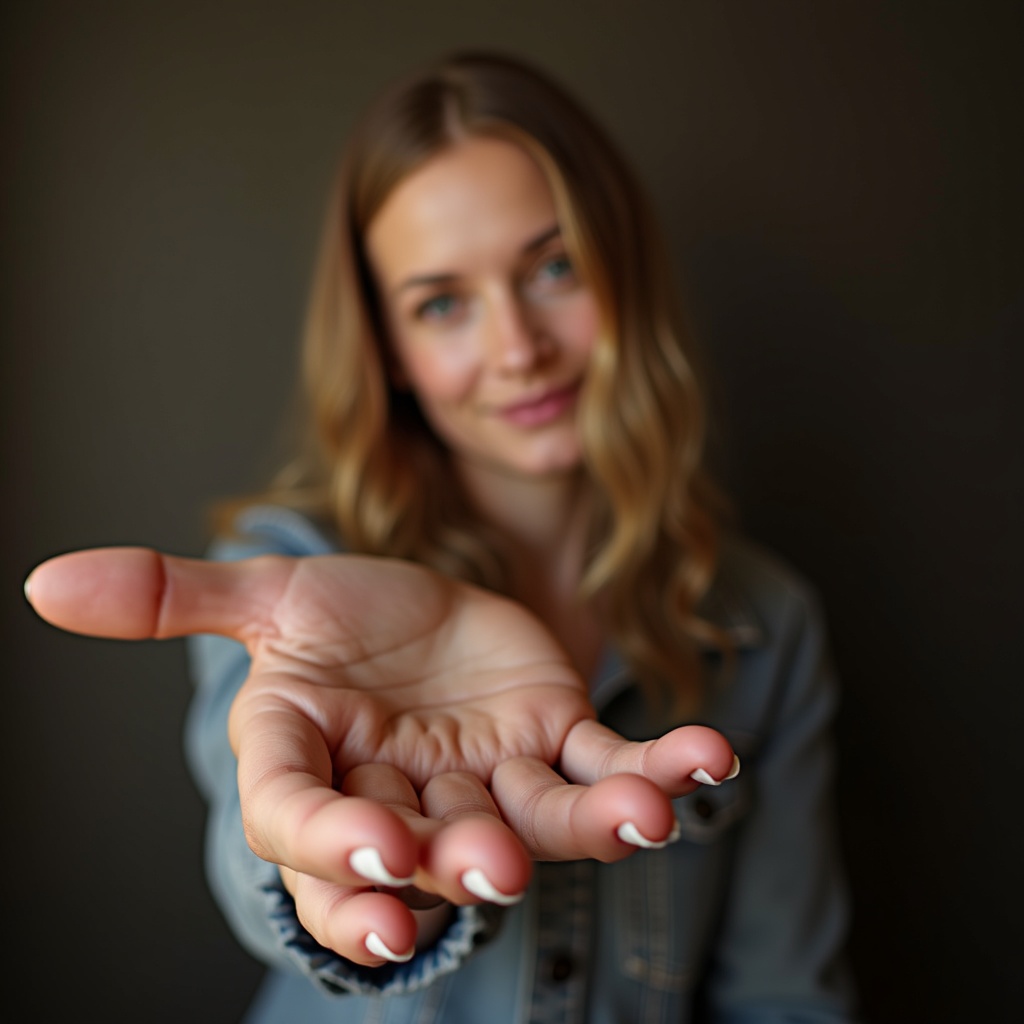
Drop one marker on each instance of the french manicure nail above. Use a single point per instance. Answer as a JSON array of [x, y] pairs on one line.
[[476, 882], [629, 833], [701, 776], [375, 944], [366, 861]]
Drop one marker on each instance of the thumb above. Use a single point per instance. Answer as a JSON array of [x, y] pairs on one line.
[[141, 594]]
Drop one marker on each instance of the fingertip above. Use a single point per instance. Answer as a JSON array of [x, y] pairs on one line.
[[479, 856], [623, 813], [109, 592], [474, 851], [365, 926]]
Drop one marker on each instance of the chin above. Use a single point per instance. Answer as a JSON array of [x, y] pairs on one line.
[[540, 462], [553, 465]]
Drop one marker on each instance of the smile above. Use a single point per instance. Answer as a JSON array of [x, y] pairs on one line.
[[544, 409]]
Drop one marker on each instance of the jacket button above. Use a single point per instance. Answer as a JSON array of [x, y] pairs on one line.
[[704, 808], [561, 967]]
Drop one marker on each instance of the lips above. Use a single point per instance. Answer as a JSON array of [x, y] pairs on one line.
[[546, 407]]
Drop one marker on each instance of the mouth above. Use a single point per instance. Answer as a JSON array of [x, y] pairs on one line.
[[545, 408]]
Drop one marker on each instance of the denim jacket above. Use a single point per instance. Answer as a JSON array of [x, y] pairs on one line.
[[742, 921]]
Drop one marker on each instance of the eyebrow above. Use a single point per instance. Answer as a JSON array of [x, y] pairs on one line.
[[432, 280]]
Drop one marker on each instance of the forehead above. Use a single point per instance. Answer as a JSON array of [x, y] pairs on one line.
[[480, 200]]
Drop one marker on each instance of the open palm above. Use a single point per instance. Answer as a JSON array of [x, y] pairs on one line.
[[398, 665], [396, 726]]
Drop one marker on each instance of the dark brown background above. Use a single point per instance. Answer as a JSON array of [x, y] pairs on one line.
[[841, 183]]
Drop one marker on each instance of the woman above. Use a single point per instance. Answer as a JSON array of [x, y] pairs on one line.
[[415, 814]]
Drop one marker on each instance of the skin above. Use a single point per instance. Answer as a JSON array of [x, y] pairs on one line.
[[398, 727], [485, 311]]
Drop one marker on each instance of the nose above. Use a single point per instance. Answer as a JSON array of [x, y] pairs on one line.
[[517, 341]]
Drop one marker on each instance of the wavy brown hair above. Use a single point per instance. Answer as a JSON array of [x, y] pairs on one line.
[[379, 475]]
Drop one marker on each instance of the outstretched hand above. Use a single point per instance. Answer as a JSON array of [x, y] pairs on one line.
[[397, 728]]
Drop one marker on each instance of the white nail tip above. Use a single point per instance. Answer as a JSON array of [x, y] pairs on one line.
[[375, 944], [701, 776], [476, 882], [366, 861], [629, 833]]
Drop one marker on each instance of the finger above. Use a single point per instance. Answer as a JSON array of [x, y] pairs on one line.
[[140, 594], [558, 821], [475, 856], [467, 854], [294, 817], [678, 762], [387, 785], [364, 926]]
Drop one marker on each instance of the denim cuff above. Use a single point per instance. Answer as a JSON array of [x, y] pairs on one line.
[[471, 927]]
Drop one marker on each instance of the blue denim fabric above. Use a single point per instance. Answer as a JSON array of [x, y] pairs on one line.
[[740, 922]]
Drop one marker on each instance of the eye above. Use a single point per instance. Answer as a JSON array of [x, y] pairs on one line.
[[553, 274], [439, 308], [556, 268]]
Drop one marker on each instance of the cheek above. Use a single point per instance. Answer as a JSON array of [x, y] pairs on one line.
[[590, 327], [439, 374], [579, 324]]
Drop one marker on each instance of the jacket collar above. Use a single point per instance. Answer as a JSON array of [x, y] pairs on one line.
[[725, 606]]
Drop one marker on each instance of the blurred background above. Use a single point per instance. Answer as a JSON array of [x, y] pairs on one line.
[[841, 184]]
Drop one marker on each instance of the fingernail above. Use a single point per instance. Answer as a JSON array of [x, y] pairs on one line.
[[375, 944], [701, 776], [366, 861], [629, 833], [476, 882], [28, 586]]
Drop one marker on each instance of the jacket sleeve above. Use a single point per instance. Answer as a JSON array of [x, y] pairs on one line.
[[779, 955], [248, 890]]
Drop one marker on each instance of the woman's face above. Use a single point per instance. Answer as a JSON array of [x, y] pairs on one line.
[[488, 323]]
